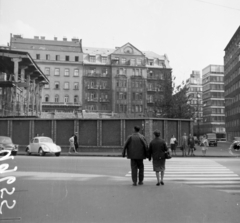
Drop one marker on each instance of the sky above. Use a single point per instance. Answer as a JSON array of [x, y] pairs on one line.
[[192, 33]]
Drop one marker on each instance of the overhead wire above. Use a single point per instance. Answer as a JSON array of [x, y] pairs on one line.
[[224, 6]]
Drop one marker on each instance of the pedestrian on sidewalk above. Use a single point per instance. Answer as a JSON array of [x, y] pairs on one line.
[[184, 144], [157, 149], [136, 147], [72, 146], [173, 144], [75, 141], [204, 145], [191, 145]]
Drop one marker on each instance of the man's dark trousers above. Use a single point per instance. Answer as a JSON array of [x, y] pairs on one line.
[[135, 165]]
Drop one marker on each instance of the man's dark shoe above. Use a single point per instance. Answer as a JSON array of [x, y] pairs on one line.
[[140, 183], [134, 184]]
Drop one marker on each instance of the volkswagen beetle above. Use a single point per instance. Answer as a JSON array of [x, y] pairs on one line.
[[43, 145], [7, 144]]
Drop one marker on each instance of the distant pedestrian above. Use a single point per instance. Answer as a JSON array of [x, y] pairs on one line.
[[191, 145], [136, 147], [157, 149], [173, 144], [204, 145], [184, 144], [72, 146], [75, 141]]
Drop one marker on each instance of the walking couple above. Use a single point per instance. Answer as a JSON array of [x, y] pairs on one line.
[[137, 150]]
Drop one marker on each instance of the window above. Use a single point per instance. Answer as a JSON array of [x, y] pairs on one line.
[[104, 59], [37, 56], [66, 72], [57, 57], [46, 86], [57, 72], [151, 62], [123, 60], [56, 98], [76, 85], [46, 98], [66, 58], [47, 71], [56, 85], [76, 73], [139, 62], [66, 99], [66, 85], [92, 59], [132, 62], [47, 56], [75, 99], [76, 58]]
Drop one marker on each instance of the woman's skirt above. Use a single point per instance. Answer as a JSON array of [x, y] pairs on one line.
[[173, 147], [158, 165]]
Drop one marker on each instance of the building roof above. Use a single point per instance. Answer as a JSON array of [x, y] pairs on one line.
[[27, 61], [98, 51], [231, 40]]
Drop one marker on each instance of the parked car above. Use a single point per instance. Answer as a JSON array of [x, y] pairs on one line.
[[212, 139], [43, 145], [236, 143], [7, 144]]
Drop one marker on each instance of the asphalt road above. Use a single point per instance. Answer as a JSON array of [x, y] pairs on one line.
[[99, 189]]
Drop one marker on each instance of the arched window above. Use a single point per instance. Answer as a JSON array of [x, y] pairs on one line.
[[66, 99], [56, 98], [75, 99], [46, 98]]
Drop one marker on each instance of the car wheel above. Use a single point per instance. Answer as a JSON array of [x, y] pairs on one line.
[[14, 153], [41, 152], [27, 151], [57, 154]]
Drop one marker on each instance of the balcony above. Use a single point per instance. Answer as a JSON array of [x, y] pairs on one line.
[[93, 87], [103, 100], [152, 89], [92, 99], [96, 74], [150, 101]]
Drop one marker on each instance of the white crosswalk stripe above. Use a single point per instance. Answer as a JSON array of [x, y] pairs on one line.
[[202, 173]]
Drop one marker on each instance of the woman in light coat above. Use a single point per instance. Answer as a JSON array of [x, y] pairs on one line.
[[204, 145]]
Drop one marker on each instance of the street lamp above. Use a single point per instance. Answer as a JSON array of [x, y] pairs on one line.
[[198, 118]]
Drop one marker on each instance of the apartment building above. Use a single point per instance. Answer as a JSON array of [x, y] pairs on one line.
[[61, 61], [213, 101], [232, 85], [120, 80]]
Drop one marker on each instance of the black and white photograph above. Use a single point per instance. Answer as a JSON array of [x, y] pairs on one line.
[[119, 111]]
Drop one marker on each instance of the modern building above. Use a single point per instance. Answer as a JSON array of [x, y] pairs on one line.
[[121, 80], [232, 85], [21, 84], [194, 85], [213, 101]]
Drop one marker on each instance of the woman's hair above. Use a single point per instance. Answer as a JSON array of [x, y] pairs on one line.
[[137, 128], [156, 133]]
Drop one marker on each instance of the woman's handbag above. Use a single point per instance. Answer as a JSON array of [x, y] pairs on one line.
[[166, 155]]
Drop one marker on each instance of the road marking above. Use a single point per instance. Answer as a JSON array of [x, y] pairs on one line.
[[197, 172]]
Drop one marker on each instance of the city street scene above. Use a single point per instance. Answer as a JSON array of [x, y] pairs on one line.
[[120, 111]]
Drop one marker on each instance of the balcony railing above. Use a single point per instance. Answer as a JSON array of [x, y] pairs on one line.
[[96, 74], [151, 89]]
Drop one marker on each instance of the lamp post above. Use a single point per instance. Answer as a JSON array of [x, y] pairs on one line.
[[198, 118]]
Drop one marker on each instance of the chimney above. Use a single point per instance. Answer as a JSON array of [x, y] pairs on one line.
[[64, 39], [43, 37], [17, 36], [36, 37], [55, 38], [75, 39]]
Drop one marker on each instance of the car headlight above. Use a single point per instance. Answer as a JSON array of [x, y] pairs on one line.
[[45, 148], [59, 148]]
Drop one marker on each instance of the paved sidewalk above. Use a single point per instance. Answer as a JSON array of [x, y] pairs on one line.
[[221, 151]]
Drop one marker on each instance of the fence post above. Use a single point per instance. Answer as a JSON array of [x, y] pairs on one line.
[[148, 129], [9, 132]]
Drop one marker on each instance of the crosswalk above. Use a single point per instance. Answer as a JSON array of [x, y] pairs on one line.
[[203, 173]]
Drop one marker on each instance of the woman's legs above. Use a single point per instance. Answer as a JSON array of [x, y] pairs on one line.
[[162, 175], [157, 175]]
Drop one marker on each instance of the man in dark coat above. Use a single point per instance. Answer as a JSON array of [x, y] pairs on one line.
[[75, 141], [136, 147]]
